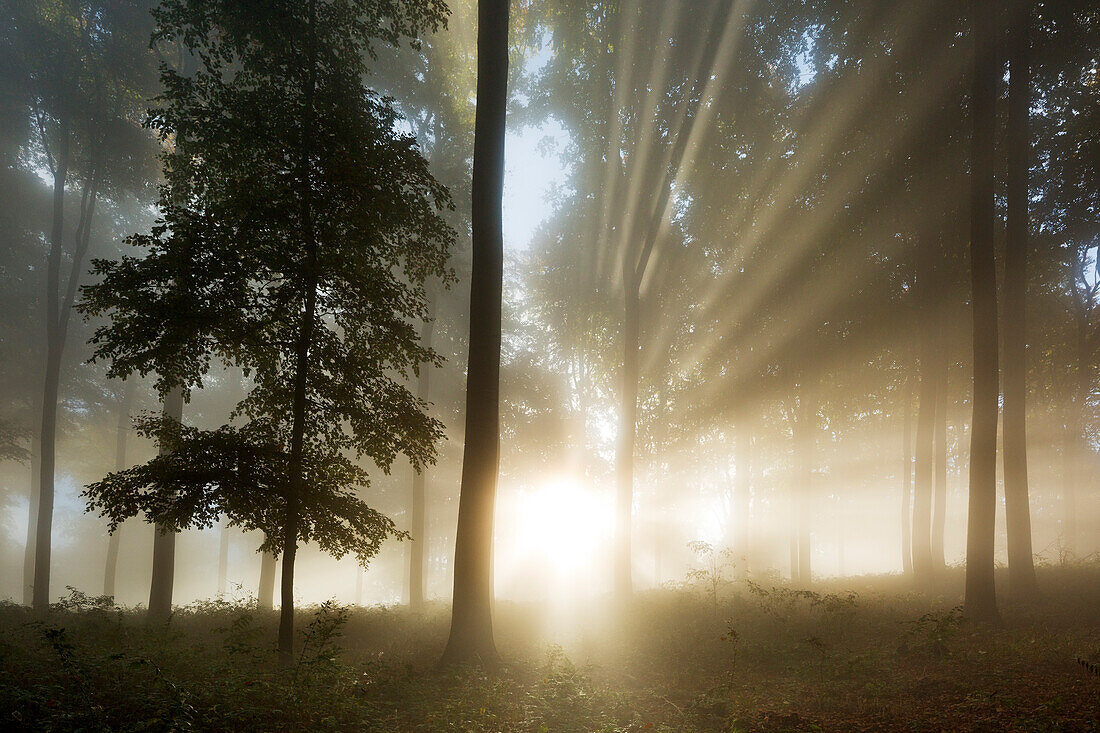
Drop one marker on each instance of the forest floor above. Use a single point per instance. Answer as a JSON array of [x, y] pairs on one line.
[[862, 654]]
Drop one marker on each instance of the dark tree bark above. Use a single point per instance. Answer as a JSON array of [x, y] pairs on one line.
[[980, 599], [419, 524], [32, 520], [301, 356], [164, 542], [1021, 566], [121, 435], [265, 597], [939, 496], [471, 635], [907, 481]]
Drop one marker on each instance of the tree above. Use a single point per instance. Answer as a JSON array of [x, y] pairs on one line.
[[85, 70], [981, 599], [471, 635], [298, 229], [1017, 512]]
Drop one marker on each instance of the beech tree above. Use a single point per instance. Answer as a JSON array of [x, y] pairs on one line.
[[298, 227]]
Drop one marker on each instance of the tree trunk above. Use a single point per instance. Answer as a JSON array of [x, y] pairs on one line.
[[742, 489], [624, 454], [907, 482], [939, 503], [927, 404], [981, 600], [419, 525], [295, 462], [164, 542], [804, 445], [43, 519], [1021, 565], [121, 435], [265, 599], [223, 557], [471, 635], [32, 519]]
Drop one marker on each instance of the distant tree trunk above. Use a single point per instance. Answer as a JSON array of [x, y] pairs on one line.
[[54, 342], [907, 482], [32, 520], [1070, 454], [742, 489], [471, 635], [804, 445], [624, 453], [939, 503], [358, 584], [926, 418], [223, 557], [164, 542], [1021, 565], [122, 432], [419, 528], [981, 600], [265, 599]]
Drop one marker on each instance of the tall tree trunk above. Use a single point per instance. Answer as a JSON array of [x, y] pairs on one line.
[[1070, 455], [295, 462], [265, 599], [419, 526], [981, 599], [804, 445], [907, 481], [624, 453], [122, 433], [471, 635], [223, 556], [926, 418], [48, 426], [939, 502], [164, 541], [32, 519], [742, 489], [1021, 565]]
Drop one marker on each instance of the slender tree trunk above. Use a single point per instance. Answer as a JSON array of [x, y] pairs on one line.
[[624, 455], [265, 600], [981, 599], [32, 519], [164, 541], [122, 433], [358, 584], [907, 482], [939, 503], [927, 403], [1021, 565], [471, 635], [1070, 455], [48, 426], [223, 557], [742, 490], [295, 462], [804, 444], [419, 528]]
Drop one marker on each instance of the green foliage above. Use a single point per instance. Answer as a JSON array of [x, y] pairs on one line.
[[662, 669], [240, 472], [297, 229]]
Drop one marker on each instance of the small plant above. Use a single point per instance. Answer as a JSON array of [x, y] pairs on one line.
[[716, 564], [319, 647], [80, 602]]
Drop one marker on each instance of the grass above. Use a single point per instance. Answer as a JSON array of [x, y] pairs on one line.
[[859, 655]]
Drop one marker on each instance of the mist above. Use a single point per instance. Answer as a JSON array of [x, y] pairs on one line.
[[710, 365]]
